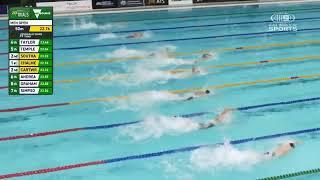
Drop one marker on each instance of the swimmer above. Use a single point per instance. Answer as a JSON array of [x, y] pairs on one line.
[[204, 57], [164, 53], [198, 94], [136, 35], [282, 149], [218, 120]]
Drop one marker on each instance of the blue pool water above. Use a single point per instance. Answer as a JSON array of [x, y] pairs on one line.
[[85, 46]]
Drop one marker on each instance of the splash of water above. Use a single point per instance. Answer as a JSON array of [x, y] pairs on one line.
[[224, 156], [106, 36], [144, 100], [147, 34], [157, 126], [176, 169], [154, 58], [85, 25], [124, 52], [91, 25], [136, 73]]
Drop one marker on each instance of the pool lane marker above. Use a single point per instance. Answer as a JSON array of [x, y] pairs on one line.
[[183, 39], [177, 27], [153, 154], [108, 126], [295, 174], [189, 90], [177, 71], [180, 91], [186, 39], [177, 54]]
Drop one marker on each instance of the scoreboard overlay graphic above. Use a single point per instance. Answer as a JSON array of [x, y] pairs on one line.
[[31, 51]]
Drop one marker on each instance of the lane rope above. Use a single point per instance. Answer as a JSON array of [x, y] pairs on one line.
[[177, 71], [153, 154], [178, 54], [108, 126], [183, 54], [295, 174], [180, 91], [186, 39], [182, 39], [177, 27]]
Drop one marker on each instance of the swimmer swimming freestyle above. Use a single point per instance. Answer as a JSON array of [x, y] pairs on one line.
[[198, 94], [282, 149], [220, 119], [136, 35], [204, 57]]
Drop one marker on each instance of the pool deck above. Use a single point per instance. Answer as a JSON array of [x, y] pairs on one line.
[[175, 7]]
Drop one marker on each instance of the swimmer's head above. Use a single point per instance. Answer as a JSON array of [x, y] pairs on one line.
[[292, 145], [206, 56], [207, 91]]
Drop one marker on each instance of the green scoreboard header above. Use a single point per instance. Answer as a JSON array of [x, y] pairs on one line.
[[19, 13], [31, 51]]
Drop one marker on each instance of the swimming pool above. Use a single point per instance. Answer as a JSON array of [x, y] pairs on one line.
[[103, 78]]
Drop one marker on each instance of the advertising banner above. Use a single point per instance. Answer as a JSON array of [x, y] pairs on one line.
[[179, 2], [3, 9], [208, 1], [130, 3], [101, 4], [68, 6], [156, 2]]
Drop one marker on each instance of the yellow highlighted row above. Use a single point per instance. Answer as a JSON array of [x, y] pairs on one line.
[[28, 62], [29, 55], [299, 43], [181, 91], [40, 29], [176, 71], [29, 69]]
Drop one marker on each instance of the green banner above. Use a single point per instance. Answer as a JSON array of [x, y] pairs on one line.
[[25, 13]]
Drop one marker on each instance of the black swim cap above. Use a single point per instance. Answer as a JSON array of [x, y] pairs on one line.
[[292, 145], [207, 91]]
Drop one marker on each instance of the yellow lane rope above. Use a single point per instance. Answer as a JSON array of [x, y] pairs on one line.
[[299, 43], [190, 90], [176, 71]]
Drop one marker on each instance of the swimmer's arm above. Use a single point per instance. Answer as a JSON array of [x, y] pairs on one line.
[[189, 98], [206, 126], [220, 118]]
